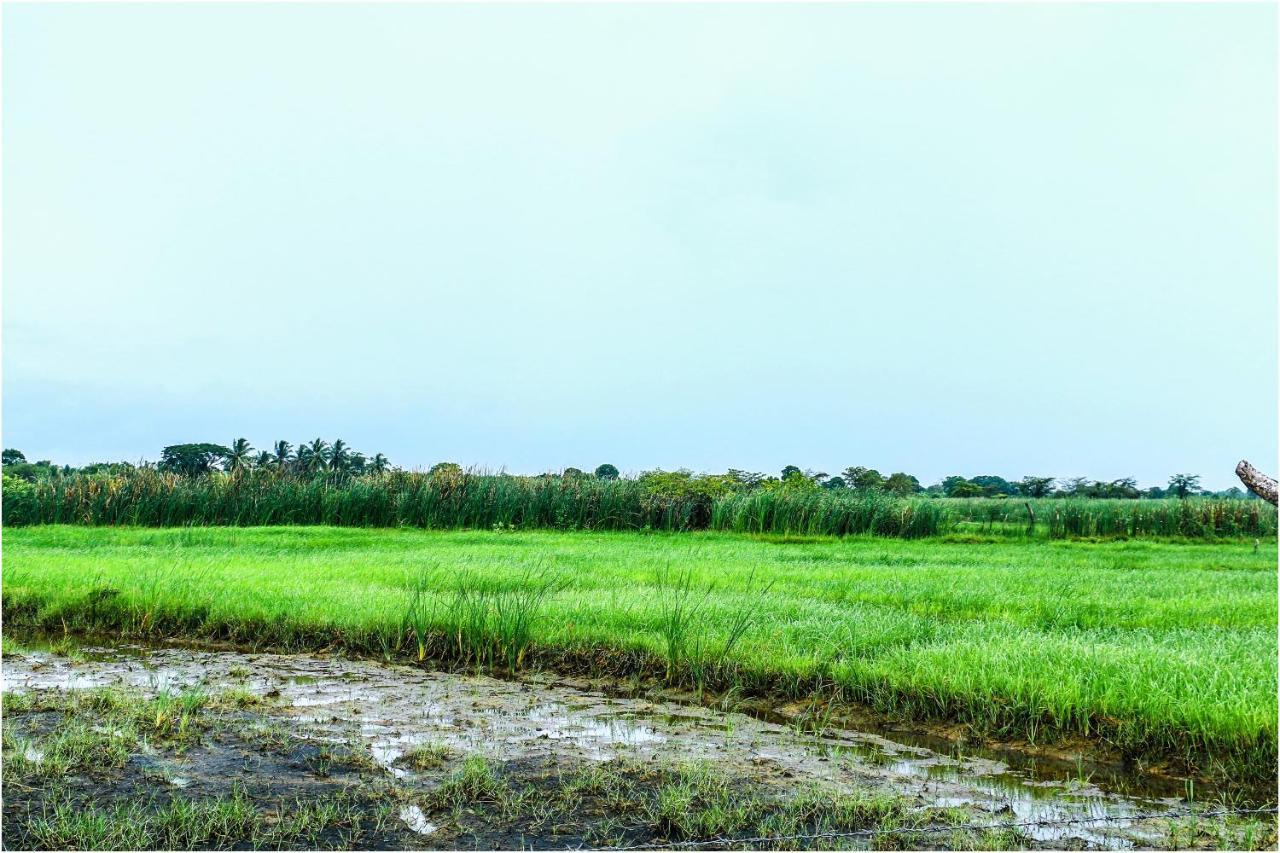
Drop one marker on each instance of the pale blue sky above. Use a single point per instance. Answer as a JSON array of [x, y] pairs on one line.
[[986, 239]]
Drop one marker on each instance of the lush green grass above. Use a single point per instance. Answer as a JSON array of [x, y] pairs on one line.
[[1156, 647], [226, 822], [481, 501]]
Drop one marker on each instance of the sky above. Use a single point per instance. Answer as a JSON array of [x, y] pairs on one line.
[[1009, 239]]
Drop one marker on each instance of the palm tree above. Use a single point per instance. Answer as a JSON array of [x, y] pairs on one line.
[[238, 455], [358, 462], [317, 450], [303, 461], [378, 464], [283, 454], [263, 460], [339, 456]]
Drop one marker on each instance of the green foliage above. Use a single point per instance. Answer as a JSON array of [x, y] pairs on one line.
[[745, 479], [794, 482], [63, 823], [1081, 487], [339, 457], [237, 456], [19, 497], [902, 484], [992, 485], [282, 454], [1148, 645], [962, 489], [689, 496], [106, 468], [1076, 487], [492, 622], [192, 459], [1035, 487], [12, 456], [313, 456], [606, 472], [449, 497], [32, 471], [1125, 487], [1184, 485], [863, 479], [837, 512]]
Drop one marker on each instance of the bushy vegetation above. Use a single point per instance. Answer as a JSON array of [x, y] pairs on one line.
[[444, 498], [1154, 647], [338, 460], [448, 497]]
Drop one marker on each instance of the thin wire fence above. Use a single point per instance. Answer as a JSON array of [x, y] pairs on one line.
[[972, 827]]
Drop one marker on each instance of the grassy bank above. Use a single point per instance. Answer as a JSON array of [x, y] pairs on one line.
[[484, 502], [1158, 648]]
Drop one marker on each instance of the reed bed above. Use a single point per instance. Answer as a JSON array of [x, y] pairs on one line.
[[147, 498]]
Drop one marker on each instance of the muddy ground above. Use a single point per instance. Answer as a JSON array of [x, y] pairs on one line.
[[131, 747]]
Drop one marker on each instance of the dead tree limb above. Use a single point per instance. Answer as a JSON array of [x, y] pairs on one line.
[[1259, 483]]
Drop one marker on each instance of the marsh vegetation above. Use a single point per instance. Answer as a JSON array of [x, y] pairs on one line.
[[1134, 637], [1163, 652], [450, 498]]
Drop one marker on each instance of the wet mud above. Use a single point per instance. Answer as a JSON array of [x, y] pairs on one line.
[[438, 759]]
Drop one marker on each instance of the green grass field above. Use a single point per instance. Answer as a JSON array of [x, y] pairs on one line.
[[1158, 648]]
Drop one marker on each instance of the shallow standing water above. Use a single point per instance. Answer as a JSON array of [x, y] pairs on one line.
[[389, 709]]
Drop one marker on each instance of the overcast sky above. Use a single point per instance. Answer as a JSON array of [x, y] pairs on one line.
[[1007, 239]]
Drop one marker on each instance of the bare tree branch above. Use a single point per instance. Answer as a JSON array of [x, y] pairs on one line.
[[1259, 483]]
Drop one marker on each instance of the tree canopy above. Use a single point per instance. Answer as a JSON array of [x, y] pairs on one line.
[[192, 459], [1183, 485], [337, 459]]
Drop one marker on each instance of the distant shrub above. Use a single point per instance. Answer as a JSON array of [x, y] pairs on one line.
[[19, 498]]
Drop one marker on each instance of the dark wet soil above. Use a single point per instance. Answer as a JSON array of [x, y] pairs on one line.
[[528, 803], [230, 757], [400, 757]]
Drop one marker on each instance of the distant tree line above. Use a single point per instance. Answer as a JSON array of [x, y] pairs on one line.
[[308, 459], [900, 484], [337, 459]]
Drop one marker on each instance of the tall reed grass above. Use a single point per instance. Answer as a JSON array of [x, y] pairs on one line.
[[148, 498]]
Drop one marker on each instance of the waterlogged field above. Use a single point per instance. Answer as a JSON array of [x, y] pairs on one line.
[[1166, 651], [239, 749]]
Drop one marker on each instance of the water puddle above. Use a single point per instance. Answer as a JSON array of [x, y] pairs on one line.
[[416, 820], [393, 709]]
